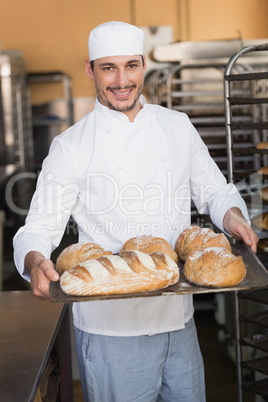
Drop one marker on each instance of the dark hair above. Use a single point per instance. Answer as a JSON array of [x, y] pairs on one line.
[[92, 63]]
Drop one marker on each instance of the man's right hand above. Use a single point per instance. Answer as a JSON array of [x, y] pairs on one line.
[[42, 272]]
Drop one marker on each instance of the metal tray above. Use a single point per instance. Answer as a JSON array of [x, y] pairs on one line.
[[250, 151], [256, 277]]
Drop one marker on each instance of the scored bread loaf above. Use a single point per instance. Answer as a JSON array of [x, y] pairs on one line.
[[131, 272], [215, 267], [77, 253], [197, 238], [260, 220], [150, 244]]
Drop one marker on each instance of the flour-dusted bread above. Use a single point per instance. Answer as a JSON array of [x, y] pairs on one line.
[[260, 221], [197, 238], [77, 253], [131, 272], [150, 244], [215, 267]]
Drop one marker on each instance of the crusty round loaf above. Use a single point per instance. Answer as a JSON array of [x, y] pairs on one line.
[[260, 221], [263, 170], [262, 145], [197, 238], [131, 272], [150, 244], [264, 193], [76, 253], [214, 267]]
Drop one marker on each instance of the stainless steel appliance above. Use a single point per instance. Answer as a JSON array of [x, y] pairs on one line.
[[16, 141], [15, 113]]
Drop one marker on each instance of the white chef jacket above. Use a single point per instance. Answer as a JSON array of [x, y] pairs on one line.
[[121, 179]]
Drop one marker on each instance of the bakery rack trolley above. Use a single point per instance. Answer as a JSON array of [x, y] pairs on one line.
[[246, 113]]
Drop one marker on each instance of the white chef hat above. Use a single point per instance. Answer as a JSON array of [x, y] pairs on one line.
[[115, 38]]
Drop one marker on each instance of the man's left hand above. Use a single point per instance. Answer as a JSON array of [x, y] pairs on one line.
[[235, 224]]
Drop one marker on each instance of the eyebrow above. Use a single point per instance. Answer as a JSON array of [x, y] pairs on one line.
[[114, 64]]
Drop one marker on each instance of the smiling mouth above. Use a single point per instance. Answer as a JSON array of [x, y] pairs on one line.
[[121, 93]]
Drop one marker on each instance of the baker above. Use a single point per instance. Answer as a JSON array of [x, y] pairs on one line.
[[111, 172]]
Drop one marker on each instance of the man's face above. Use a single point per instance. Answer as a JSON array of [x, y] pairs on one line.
[[119, 82]]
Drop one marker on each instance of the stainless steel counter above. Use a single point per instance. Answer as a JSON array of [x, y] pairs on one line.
[[29, 330]]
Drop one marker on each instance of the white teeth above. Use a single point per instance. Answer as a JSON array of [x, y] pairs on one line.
[[121, 93]]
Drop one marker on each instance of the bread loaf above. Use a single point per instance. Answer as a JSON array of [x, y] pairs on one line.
[[77, 253], [264, 193], [260, 220], [131, 272], [150, 244], [263, 170], [262, 145], [263, 245], [215, 267], [197, 238]]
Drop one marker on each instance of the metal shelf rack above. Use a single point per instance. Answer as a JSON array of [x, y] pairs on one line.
[[245, 95]]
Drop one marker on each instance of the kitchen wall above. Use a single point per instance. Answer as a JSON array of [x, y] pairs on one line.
[[52, 34], [216, 19]]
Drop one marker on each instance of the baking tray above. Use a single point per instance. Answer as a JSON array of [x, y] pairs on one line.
[[250, 151], [256, 277]]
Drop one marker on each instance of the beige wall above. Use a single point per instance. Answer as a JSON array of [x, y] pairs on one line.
[[52, 34], [217, 19]]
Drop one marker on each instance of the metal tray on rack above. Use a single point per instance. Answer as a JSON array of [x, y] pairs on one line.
[[249, 151], [256, 277], [249, 174]]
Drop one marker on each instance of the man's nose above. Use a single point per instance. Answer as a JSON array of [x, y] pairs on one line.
[[121, 78]]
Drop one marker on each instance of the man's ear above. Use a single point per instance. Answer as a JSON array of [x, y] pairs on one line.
[[88, 69], [144, 60]]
